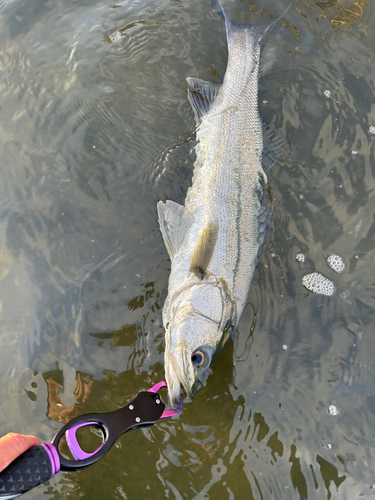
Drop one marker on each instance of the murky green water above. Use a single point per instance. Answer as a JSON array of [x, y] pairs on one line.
[[95, 128]]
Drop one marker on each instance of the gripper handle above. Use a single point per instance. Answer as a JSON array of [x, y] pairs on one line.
[[36, 466]]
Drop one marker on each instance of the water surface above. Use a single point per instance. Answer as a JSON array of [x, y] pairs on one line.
[[95, 129]]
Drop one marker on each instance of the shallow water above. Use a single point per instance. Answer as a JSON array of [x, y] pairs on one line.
[[95, 128]]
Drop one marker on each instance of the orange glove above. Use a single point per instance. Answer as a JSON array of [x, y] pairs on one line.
[[13, 445]]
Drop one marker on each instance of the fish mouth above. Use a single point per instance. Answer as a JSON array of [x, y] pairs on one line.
[[179, 375]]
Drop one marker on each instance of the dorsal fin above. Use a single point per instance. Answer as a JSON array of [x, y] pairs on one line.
[[201, 96], [275, 145], [204, 249], [174, 221]]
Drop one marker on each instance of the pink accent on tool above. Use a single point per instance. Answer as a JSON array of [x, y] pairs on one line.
[[172, 412]]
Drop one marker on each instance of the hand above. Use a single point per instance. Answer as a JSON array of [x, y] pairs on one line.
[[13, 445]]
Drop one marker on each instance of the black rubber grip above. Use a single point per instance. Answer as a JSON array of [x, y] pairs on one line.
[[28, 470]]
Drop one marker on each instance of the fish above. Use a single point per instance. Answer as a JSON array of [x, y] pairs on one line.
[[213, 239]]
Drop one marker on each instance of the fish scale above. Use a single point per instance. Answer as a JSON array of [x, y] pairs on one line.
[[213, 241]]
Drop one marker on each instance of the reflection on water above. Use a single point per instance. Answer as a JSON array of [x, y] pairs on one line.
[[95, 129], [342, 13], [234, 451]]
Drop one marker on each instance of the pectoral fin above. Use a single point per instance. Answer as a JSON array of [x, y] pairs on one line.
[[174, 221], [275, 145], [204, 249], [201, 96]]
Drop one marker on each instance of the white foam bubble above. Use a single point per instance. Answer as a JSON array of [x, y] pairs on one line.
[[300, 257], [336, 263], [317, 283], [332, 410]]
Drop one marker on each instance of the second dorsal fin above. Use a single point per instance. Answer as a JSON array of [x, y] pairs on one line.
[[201, 96]]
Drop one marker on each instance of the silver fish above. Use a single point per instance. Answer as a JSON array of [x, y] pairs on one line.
[[213, 241]]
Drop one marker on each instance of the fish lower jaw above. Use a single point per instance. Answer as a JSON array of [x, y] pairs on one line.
[[175, 397], [187, 396]]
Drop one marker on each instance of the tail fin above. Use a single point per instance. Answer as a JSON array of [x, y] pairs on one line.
[[232, 26]]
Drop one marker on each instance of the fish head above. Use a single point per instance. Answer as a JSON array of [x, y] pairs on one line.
[[199, 327]]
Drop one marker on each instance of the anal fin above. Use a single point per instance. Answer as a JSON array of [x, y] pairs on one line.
[[265, 212], [275, 145]]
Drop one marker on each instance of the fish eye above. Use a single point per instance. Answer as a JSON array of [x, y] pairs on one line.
[[200, 358]]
